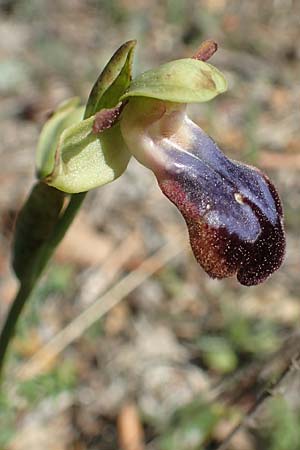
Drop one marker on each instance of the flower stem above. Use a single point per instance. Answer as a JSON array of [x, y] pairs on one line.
[[27, 285], [8, 329]]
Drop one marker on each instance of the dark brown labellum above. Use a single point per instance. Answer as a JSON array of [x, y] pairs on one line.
[[233, 211]]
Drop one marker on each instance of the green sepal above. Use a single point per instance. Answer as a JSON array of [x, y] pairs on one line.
[[182, 81], [86, 160], [70, 156], [68, 113], [113, 81], [34, 226]]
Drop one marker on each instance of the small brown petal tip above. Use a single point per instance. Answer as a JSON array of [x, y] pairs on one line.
[[106, 118], [206, 50]]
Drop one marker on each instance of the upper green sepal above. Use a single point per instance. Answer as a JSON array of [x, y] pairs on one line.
[[113, 81], [182, 81]]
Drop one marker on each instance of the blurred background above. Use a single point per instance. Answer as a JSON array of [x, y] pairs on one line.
[[168, 358]]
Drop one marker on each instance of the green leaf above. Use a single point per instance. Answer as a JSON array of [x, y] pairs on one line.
[[113, 81], [191, 426], [86, 160], [183, 81], [61, 378], [66, 114], [281, 430], [218, 354], [34, 225]]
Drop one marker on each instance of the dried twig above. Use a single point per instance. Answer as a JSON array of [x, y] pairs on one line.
[[130, 429], [288, 381]]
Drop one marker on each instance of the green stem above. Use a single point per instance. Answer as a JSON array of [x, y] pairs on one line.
[[11, 319], [41, 260]]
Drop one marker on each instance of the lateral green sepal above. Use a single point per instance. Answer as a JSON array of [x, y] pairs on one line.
[[68, 113], [86, 160]]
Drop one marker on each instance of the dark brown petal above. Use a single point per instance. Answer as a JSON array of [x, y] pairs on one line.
[[233, 211]]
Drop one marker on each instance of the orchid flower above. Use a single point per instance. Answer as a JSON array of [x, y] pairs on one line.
[[232, 210]]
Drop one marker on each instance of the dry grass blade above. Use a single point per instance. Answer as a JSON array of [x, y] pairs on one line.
[[287, 386], [98, 308], [100, 279]]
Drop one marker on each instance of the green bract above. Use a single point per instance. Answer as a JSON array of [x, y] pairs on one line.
[[183, 81], [34, 226]]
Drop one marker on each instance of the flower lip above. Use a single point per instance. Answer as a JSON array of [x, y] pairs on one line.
[[216, 174], [233, 212]]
